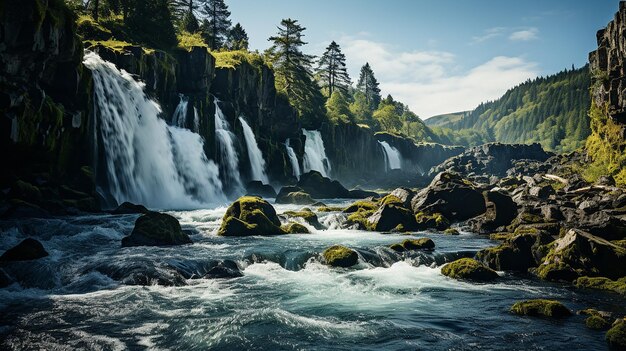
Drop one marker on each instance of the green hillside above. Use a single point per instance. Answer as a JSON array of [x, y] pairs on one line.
[[549, 110], [445, 119]]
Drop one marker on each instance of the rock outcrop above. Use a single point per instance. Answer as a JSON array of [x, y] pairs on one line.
[[27, 250], [250, 215], [156, 229]]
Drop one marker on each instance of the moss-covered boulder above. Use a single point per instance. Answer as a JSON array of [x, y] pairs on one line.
[[431, 221], [309, 216], [27, 250], [578, 254], [389, 217], [469, 269], [361, 205], [156, 229], [541, 307], [603, 283], [616, 336], [295, 228], [294, 195], [340, 256], [451, 231], [516, 253], [595, 320], [413, 244], [250, 215]]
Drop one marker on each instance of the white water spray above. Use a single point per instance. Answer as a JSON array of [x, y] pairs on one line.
[[180, 114], [293, 159], [196, 120], [392, 156], [225, 142], [314, 153], [257, 163], [147, 161]]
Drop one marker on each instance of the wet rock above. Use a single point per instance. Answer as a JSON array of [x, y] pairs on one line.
[[389, 217], [250, 215], [294, 195], [469, 269], [539, 307], [156, 229], [340, 256], [320, 187], [307, 215], [516, 253], [257, 188], [602, 283], [295, 228], [129, 208], [431, 221], [5, 279], [361, 205], [616, 336], [28, 249], [596, 320], [413, 244], [451, 195], [224, 269]]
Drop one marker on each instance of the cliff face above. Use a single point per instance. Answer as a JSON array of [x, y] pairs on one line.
[[44, 92], [606, 146]]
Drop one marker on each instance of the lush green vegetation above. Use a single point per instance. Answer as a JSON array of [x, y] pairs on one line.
[[549, 110]]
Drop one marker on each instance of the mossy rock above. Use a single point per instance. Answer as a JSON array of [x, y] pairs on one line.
[[451, 231], [296, 198], [250, 215], [361, 205], [295, 228], [330, 209], [413, 244], [501, 236], [541, 307], [391, 200], [469, 269], [340, 256], [596, 320], [603, 283], [359, 219], [156, 229], [309, 216], [616, 336], [431, 221]]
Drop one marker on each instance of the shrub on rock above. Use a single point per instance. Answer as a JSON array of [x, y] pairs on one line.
[[156, 229], [469, 269], [340, 256], [540, 307]]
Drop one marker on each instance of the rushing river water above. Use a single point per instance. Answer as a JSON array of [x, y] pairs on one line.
[[285, 299]]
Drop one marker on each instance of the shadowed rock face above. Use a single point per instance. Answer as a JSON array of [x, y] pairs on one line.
[[28, 249], [156, 229]]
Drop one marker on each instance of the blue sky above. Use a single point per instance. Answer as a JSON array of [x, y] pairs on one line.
[[440, 56]]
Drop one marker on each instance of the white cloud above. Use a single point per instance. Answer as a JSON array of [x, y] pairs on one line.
[[431, 82], [525, 35], [488, 34]]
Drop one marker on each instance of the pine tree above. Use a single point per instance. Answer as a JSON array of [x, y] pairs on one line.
[[238, 38], [151, 23], [332, 71], [216, 11], [293, 71], [368, 85], [337, 108]]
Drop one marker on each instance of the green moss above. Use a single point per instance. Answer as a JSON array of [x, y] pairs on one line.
[[451, 231], [340, 256], [418, 244], [602, 283], [391, 200], [621, 243], [468, 269], [541, 307], [501, 236], [89, 29], [117, 46], [330, 209], [188, 40], [361, 205], [232, 59], [250, 215], [309, 216], [361, 218], [616, 336], [596, 322], [295, 228], [427, 221]]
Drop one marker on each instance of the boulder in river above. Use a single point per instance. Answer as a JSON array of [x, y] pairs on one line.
[[224, 269], [308, 216], [294, 195], [156, 229], [129, 208], [257, 188], [295, 228], [469, 269], [250, 215], [540, 307], [320, 187], [340, 256], [616, 336], [389, 217], [451, 195], [27, 250], [414, 244]]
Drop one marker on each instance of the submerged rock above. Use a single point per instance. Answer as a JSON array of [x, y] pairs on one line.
[[129, 208], [156, 229], [250, 215], [257, 188], [224, 269], [28, 249], [340, 256], [539, 307], [469, 269]]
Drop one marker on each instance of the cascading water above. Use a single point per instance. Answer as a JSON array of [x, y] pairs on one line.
[[314, 153], [293, 159], [393, 159], [257, 163], [225, 142], [180, 114], [147, 161], [196, 120]]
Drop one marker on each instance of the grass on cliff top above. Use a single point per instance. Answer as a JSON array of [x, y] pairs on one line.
[[114, 45], [232, 59], [188, 40]]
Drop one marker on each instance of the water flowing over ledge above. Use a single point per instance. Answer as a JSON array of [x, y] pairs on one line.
[[315, 154], [257, 163]]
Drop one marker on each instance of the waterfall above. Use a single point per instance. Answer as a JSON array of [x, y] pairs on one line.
[[392, 156], [147, 161], [293, 159], [225, 143], [257, 163], [314, 153], [180, 114], [196, 120]]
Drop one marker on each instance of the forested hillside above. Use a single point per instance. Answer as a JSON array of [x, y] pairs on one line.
[[549, 110]]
